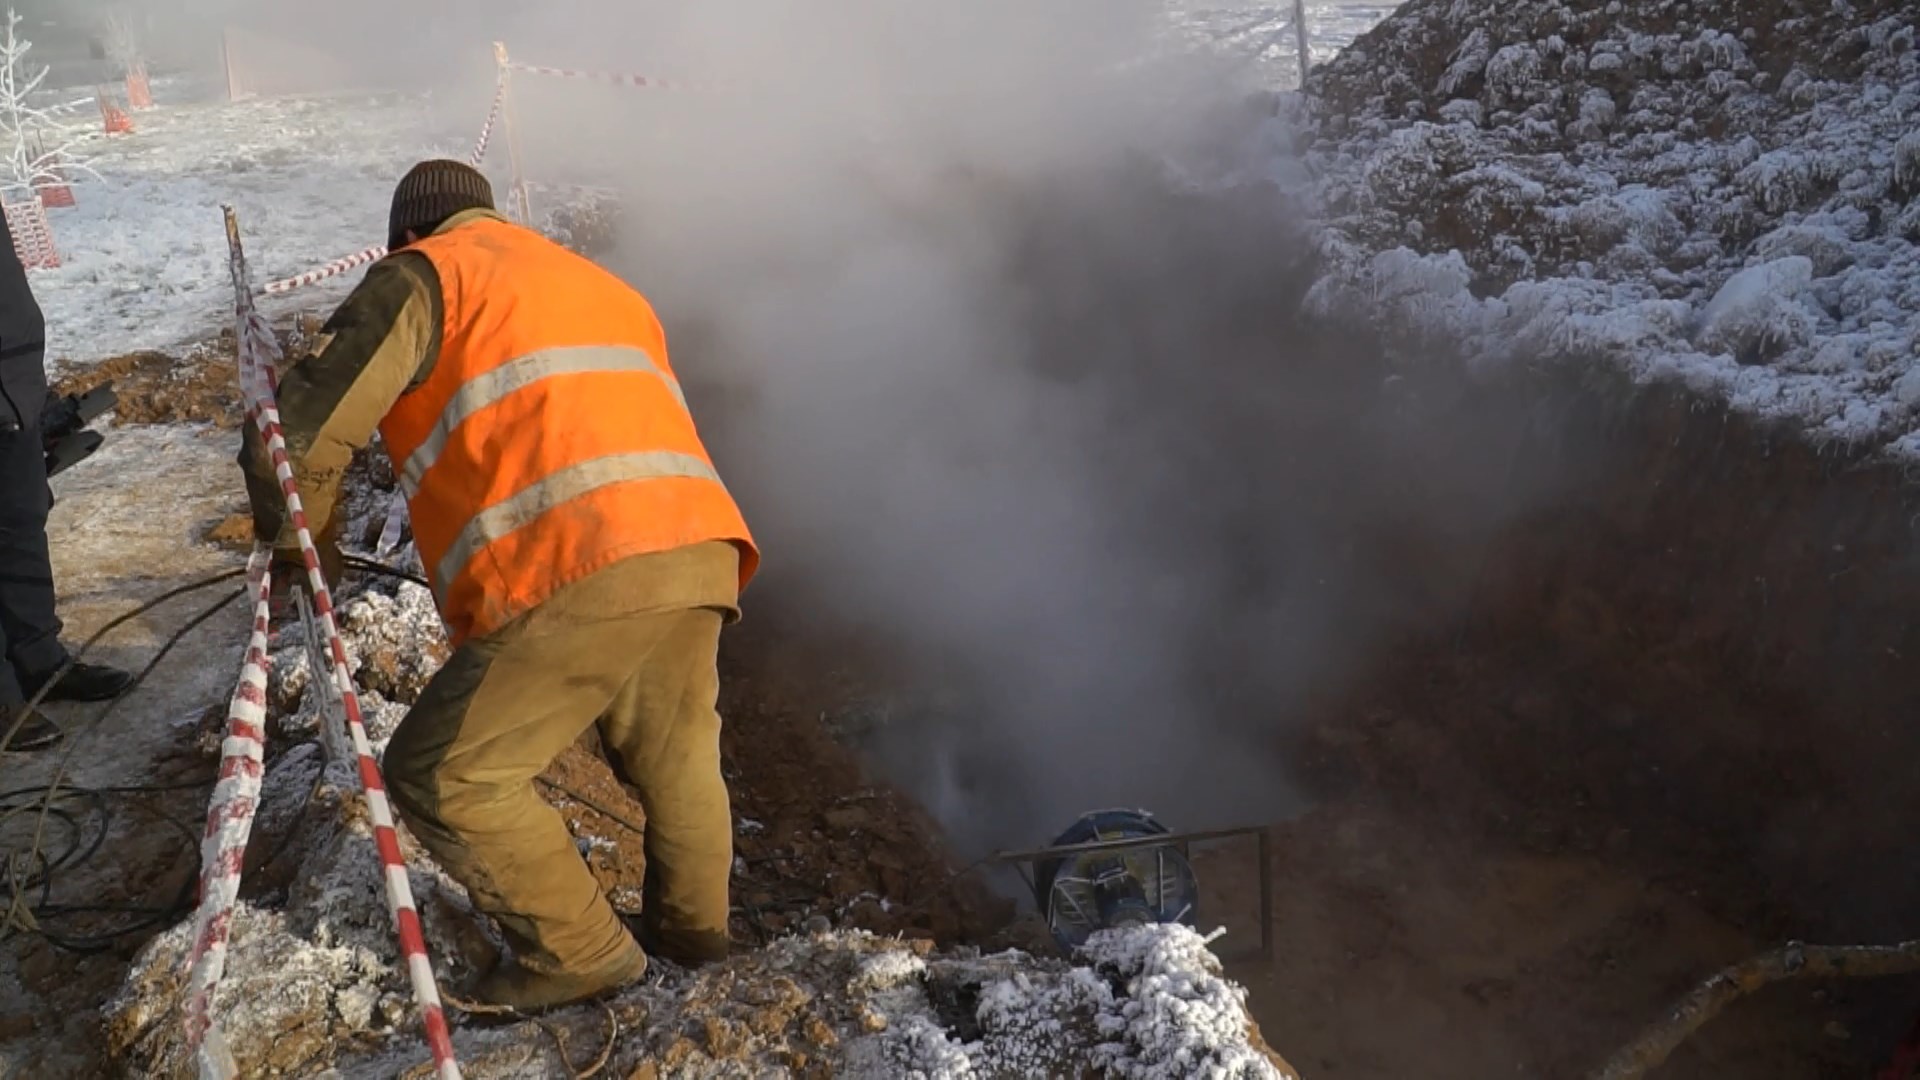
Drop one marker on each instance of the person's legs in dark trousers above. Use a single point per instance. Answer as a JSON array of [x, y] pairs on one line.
[[27, 615], [30, 648]]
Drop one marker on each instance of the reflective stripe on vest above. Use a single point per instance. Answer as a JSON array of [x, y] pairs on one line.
[[486, 389], [550, 439], [502, 518]]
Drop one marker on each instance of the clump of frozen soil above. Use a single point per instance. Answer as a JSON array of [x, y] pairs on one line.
[[1720, 191]]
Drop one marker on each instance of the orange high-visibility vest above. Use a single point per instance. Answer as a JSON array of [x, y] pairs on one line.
[[551, 438]]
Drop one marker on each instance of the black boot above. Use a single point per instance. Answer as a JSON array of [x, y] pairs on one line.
[[86, 682], [37, 733]]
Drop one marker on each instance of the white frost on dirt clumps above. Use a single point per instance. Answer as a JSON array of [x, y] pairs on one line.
[[1694, 192], [1178, 1017], [1151, 1002], [884, 971], [1759, 311], [314, 985]]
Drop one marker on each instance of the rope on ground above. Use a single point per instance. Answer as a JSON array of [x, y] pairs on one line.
[[258, 351], [1710, 998], [230, 812]]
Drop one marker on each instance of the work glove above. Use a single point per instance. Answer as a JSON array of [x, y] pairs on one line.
[[289, 569]]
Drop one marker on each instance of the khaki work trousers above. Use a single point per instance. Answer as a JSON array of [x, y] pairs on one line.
[[462, 764]]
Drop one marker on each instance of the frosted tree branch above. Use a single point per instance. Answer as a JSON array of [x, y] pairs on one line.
[[38, 146]]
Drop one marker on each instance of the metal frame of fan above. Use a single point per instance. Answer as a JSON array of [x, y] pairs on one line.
[[1114, 868]]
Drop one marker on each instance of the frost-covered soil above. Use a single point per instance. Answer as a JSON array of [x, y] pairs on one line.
[[313, 985], [1722, 192]]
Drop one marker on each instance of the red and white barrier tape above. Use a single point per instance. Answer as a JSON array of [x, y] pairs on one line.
[[322, 273], [230, 813], [379, 251], [493, 117], [617, 78], [257, 353]]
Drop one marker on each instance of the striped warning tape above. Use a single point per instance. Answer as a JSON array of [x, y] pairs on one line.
[[257, 353], [379, 251], [493, 117], [230, 813], [322, 273]]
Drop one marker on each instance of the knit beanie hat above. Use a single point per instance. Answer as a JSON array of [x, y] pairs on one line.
[[432, 192]]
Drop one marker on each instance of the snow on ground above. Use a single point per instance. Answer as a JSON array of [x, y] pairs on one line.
[[1262, 33], [145, 252], [1719, 192]]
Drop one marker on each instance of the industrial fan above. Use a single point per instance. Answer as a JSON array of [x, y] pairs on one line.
[[1118, 876]]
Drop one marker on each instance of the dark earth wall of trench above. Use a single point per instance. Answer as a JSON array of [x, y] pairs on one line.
[[1755, 599], [1617, 619]]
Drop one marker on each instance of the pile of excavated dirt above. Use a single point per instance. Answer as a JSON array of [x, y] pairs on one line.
[[155, 388], [825, 861], [1716, 191], [201, 386]]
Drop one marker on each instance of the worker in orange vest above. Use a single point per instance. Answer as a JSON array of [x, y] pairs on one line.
[[584, 555]]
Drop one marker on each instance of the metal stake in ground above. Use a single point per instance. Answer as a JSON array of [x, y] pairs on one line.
[[257, 351]]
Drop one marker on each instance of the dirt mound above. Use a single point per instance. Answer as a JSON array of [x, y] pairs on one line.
[[1708, 189], [824, 858], [200, 386], [313, 980], [155, 388]]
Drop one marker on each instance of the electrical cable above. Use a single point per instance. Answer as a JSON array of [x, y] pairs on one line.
[[569, 793], [34, 868], [33, 704], [361, 562], [85, 828]]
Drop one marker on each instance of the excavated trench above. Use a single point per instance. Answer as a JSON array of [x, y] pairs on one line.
[[1665, 732], [1566, 693]]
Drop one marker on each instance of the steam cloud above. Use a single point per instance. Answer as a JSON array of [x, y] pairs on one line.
[[989, 385]]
